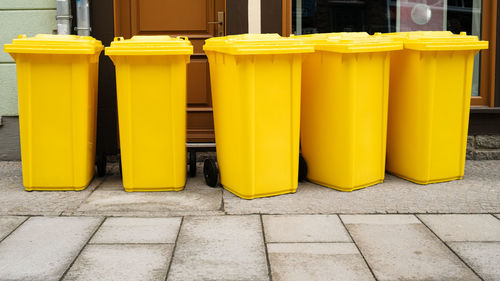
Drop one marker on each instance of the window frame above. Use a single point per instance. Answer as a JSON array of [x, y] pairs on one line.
[[488, 57]]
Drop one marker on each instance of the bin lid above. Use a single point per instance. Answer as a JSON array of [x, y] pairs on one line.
[[54, 44], [352, 42], [255, 44], [438, 41], [149, 45]]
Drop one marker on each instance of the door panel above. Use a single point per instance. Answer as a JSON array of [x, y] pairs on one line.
[[200, 125], [159, 15], [179, 18], [199, 92]]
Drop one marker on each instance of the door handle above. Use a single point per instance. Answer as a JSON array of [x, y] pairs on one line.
[[220, 23]]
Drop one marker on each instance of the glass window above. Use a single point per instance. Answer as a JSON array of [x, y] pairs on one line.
[[318, 16]]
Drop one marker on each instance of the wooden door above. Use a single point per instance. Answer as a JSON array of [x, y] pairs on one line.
[[194, 19]]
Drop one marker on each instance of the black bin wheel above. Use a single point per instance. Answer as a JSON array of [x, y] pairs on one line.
[[192, 164], [302, 168], [101, 164], [211, 172]]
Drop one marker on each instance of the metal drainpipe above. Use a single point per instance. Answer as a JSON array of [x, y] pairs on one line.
[[63, 17], [83, 17]]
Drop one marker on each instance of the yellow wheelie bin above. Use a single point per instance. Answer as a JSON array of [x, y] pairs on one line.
[[430, 91], [256, 101], [345, 85], [57, 90], [151, 98]]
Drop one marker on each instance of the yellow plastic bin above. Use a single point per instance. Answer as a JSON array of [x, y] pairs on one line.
[[430, 91], [345, 85], [151, 97], [57, 89], [256, 101]]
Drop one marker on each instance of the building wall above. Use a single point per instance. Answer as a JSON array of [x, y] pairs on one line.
[[10, 148], [483, 147], [31, 17], [479, 147], [28, 17]]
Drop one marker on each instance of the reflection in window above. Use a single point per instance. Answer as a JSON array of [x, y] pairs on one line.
[[319, 16]]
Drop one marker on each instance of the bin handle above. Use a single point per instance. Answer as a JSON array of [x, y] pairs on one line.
[[185, 38], [120, 38]]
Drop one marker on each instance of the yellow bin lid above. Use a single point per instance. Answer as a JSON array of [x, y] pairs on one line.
[[257, 44], [54, 44], [352, 42], [150, 45], [438, 41]]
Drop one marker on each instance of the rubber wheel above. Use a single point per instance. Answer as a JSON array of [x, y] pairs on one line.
[[192, 164], [211, 172], [302, 168], [101, 164]]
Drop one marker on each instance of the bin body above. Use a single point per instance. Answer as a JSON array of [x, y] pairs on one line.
[[430, 91], [151, 99], [256, 102], [57, 91], [345, 87]]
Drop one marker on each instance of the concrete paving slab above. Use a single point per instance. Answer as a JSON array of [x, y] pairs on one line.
[[317, 261], [380, 219], [8, 224], [404, 250], [464, 227], [14, 200], [482, 257], [121, 262], [304, 228], [478, 192], [113, 179], [120, 203], [43, 248], [137, 230], [220, 248], [112, 182]]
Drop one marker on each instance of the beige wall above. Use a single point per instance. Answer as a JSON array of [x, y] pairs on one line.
[[28, 17]]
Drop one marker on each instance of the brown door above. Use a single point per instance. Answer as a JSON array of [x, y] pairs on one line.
[[196, 19]]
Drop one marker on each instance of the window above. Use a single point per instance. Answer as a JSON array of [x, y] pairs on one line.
[[476, 17]]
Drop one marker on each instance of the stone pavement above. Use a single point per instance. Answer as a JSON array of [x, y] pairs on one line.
[[393, 231]]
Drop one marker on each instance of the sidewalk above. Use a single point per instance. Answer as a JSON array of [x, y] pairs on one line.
[[393, 231]]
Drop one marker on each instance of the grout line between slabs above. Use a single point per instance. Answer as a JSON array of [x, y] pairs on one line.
[[359, 250], [357, 213], [15, 228], [311, 242], [131, 243], [81, 250], [269, 273], [448, 246], [174, 248]]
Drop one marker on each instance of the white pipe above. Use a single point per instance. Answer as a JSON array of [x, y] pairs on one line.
[[63, 17], [82, 17]]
